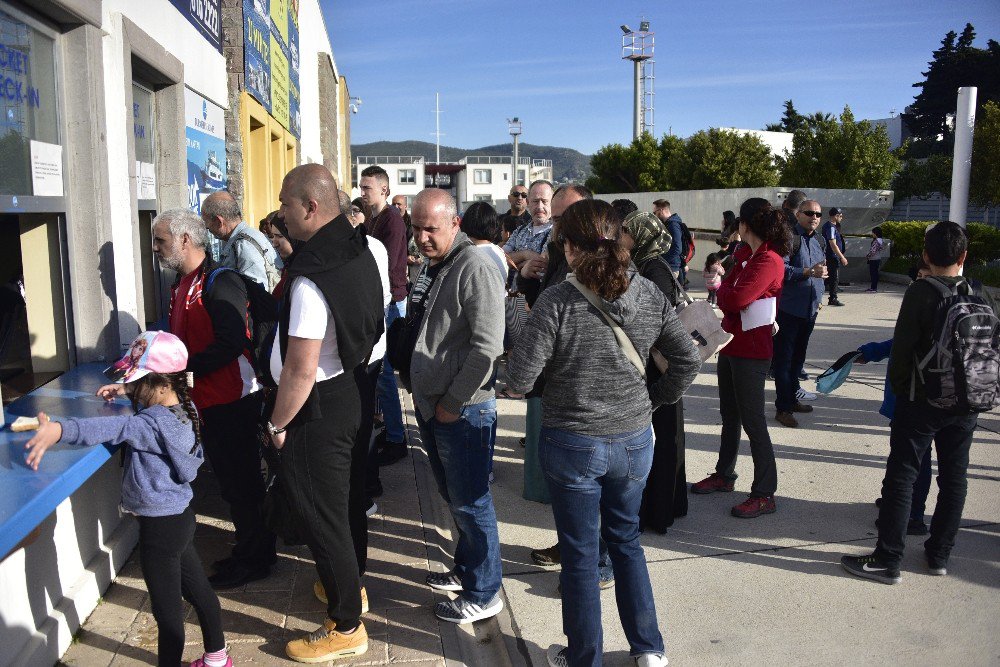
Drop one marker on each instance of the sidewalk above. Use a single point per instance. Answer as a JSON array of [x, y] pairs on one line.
[[771, 590], [728, 591]]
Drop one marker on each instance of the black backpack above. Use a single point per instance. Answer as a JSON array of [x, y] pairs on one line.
[[961, 372], [687, 244], [262, 311]]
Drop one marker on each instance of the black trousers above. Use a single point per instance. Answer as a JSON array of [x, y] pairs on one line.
[[873, 272], [316, 470], [230, 437], [833, 277], [741, 405], [790, 346], [666, 496], [362, 462], [914, 425], [173, 573]]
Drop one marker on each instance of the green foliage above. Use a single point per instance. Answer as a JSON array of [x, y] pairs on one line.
[[790, 120], [955, 64], [908, 240], [709, 159], [845, 154], [984, 187], [725, 159], [921, 178], [988, 275]]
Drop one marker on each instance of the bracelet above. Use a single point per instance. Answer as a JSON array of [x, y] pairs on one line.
[[274, 430]]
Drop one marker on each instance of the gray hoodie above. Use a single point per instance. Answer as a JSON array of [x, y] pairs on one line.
[[160, 457], [590, 386], [461, 334]]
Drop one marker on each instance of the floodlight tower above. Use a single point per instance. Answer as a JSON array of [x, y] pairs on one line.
[[514, 128], [638, 47]]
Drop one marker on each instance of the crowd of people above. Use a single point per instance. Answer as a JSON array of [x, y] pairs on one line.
[[569, 302]]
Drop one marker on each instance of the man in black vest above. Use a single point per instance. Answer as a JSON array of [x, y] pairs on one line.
[[328, 326]]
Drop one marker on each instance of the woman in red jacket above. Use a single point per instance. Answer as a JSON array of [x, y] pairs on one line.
[[748, 300]]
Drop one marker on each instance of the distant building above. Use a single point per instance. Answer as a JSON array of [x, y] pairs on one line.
[[472, 178], [780, 143], [896, 129]]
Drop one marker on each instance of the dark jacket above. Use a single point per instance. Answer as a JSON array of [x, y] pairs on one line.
[[337, 259], [389, 228], [675, 256], [802, 295]]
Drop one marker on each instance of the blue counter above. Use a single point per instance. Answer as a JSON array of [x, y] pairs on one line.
[[27, 496]]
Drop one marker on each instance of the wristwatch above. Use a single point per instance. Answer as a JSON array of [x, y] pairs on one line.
[[274, 430]]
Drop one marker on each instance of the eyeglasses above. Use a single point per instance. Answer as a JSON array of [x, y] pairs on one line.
[[519, 195], [812, 214]]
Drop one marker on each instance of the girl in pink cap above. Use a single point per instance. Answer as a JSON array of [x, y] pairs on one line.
[[162, 454]]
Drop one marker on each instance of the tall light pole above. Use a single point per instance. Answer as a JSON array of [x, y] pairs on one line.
[[961, 164], [637, 46], [514, 128]]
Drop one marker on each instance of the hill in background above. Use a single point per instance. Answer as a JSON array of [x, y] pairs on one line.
[[567, 164]]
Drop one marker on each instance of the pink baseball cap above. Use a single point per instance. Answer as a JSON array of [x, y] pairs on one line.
[[151, 352]]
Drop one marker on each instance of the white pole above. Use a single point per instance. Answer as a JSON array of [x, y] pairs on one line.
[[437, 125], [637, 103], [965, 124]]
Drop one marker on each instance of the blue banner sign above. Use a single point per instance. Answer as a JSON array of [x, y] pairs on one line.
[[206, 16]]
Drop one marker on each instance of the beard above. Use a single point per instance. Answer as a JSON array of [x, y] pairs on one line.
[[172, 261]]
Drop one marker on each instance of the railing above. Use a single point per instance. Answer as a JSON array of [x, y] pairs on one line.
[[493, 159], [541, 163], [390, 159]]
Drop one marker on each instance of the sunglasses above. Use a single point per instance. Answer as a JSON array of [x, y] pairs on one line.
[[519, 195], [812, 214]]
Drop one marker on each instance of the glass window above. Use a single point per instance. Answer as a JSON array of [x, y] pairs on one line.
[[482, 176], [486, 198], [27, 100], [407, 176], [520, 177], [142, 123]]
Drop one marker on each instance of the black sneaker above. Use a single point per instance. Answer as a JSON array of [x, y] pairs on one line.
[[870, 567], [462, 611], [835, 302], [546, 557], [936, 565], [444, 581], [391, 453]]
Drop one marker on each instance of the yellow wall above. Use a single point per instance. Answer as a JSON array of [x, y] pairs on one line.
[[344, 135], [268, 154], [43, 282]]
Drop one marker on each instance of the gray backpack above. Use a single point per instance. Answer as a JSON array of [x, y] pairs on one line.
[[270, 270], [961, 372]]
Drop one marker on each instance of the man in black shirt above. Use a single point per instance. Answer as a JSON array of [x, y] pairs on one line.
[[518, 214]]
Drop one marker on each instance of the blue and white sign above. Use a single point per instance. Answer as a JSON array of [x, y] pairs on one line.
[[206, 16], [206, 148]]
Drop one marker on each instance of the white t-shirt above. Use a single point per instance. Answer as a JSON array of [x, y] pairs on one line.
[[382, 261], [312, 319], [498, 257]]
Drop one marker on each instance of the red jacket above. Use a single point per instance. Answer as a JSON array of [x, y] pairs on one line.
[[754, 276]]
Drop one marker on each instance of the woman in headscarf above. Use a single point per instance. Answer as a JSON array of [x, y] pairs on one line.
[[273, 227], [665, 495]]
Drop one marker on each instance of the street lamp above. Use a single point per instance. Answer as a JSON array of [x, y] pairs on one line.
[[638, 47], [514, 128]]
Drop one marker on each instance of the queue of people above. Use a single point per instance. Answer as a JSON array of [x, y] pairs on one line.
[[602, 357]]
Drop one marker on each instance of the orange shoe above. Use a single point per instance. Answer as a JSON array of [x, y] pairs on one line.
[[327, 644], [320, 594]]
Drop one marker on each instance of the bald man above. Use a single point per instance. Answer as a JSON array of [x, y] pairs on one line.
[[327, 330], [458, 304], [244, 248]]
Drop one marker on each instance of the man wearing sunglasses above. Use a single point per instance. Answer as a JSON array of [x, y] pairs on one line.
[[518, 214], [805, 269]]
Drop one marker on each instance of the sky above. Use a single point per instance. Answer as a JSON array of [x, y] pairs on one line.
[[557, 65]]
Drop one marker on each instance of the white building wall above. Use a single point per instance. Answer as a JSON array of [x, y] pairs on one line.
[[778, 142], [313, 40]]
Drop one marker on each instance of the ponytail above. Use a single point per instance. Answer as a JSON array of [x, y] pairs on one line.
[[595, 230]]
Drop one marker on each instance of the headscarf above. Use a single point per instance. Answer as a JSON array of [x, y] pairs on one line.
[[651, 237]]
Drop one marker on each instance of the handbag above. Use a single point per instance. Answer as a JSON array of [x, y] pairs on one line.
[[700, 320]]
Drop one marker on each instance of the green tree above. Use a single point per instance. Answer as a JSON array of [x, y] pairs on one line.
[[790, 120], [633, 168], [955, 64], [675, 164], [845, 154], [921, 178], [984, 186], [726, 159]]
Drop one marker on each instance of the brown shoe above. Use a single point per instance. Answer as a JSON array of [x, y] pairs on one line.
[[327, 644], [320, 594], [802, 407], [786, 419]]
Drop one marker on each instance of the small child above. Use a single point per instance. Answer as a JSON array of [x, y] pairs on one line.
[[713, 275], [874, 258], [162, 454]]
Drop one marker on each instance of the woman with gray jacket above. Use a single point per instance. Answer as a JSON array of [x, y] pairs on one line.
[[596, 444]]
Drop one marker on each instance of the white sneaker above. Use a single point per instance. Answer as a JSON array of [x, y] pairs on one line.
[[804, 395], [462, 611], [556, 656], [651, 660]]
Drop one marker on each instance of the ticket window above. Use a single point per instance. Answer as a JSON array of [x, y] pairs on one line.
[[144, 126], [34, 346]]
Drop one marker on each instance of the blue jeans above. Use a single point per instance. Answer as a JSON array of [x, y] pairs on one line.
[[460, 455], [387, 391], [596, 485], [790, 356]]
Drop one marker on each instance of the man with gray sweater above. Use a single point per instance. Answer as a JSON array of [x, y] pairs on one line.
[[457, 310]]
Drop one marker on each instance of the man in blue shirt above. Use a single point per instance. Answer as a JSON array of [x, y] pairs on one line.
[[835, 257], [675, 256], [244, 248], [805, 269]]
